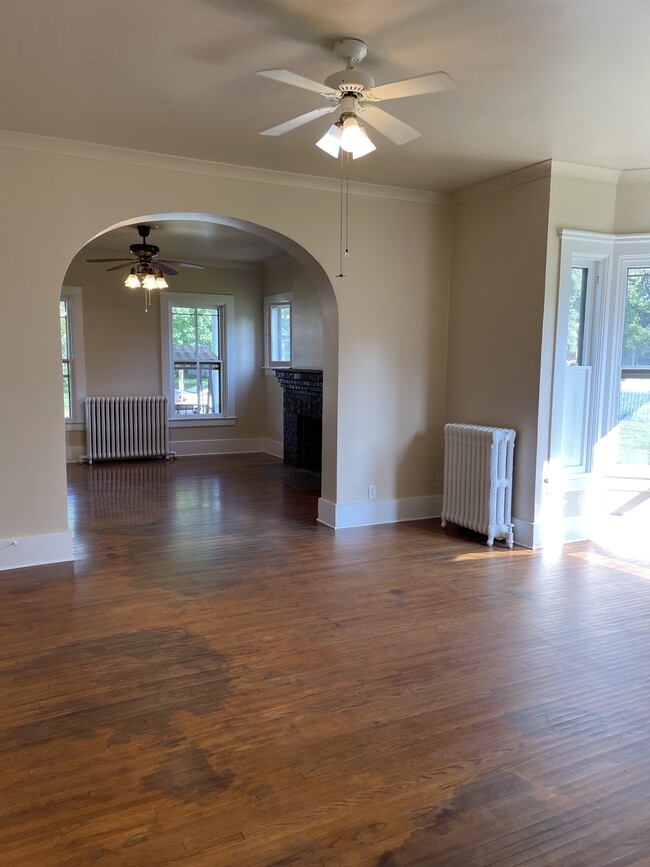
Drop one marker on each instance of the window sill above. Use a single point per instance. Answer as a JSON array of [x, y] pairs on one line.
[[202, 422], [75, 425], [270, 371]]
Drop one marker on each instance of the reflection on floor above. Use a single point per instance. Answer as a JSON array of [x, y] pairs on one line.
[[619, 515]]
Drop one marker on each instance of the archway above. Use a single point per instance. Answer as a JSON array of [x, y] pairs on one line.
[[321, 286]]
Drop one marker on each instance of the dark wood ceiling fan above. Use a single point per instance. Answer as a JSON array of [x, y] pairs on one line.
[[146, 256]]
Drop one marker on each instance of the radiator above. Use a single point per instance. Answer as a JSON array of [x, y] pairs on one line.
[[126, 427], [478, 480]]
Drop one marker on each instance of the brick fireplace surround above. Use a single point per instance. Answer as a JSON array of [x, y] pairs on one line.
[[303, 413]]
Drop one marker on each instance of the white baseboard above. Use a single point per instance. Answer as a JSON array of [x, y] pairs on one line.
[[73, 454], [341, 515], [194, 448], [273, 447], [24, 551]]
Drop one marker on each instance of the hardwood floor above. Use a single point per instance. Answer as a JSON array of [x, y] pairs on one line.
[[218, 680]]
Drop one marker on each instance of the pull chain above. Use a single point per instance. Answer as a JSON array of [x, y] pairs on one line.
[[344, 211]]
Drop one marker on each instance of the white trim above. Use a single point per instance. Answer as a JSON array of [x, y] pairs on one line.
[[226, 304], [190, 165], [503, 182], [74, 296], [586, 173], [194, 448], [527, 534], [341, 515], [635, 176], [19, 552], [271, 301], [274, 447]]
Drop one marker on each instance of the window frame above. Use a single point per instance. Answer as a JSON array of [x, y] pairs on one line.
[[270, 301], [226, 306], [73, 296]]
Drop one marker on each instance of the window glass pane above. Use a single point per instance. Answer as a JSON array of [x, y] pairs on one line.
[[280, 333], [66, 390], [208, 331], [634, 396], [63, 319], [577, 301], [196, 346], [184, 332], [209, 401]]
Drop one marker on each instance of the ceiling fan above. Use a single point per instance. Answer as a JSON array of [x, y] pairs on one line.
[[353, 94], [146, 256]]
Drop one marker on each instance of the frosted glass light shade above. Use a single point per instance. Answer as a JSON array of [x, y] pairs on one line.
[[331, 141]]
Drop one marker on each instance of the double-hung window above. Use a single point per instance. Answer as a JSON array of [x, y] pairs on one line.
[[72, 354], [66, 356], [277, 330], [197, 346]]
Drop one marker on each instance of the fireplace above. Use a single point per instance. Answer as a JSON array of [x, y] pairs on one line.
[[303, 413]]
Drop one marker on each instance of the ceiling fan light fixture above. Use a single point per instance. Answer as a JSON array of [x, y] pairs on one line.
[[149, 281], [354, 139], [331, 141], [161, 283], [132, 281]]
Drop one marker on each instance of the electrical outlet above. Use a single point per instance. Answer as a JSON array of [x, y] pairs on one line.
[[372, 492]]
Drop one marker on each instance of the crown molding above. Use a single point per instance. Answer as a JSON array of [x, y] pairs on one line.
[[586, 173], [503, 182], [635, 176], [149, 159]]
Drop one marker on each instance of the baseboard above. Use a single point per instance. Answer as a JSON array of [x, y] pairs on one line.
[[189, 448], [273, 447], [341, 515], [527, 534], [73, 454], [24, 551], [195, 448]]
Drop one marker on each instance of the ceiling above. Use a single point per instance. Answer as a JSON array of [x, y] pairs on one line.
[[537, 79], [187, 241]]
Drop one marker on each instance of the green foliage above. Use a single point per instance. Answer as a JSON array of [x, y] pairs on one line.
[[636, 334]]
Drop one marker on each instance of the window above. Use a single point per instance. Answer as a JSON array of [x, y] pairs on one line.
[[195, 355], [577, 304], [66, 353], [277, 337], [72, 354]]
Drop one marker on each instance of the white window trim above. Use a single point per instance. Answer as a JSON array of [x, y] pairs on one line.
[[610, 255], [74, 296], [191, 299], [269, 300]]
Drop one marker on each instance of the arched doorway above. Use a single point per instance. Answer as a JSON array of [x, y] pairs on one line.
[[203, 230]]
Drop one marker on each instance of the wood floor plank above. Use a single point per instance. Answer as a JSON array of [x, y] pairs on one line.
[[219, 681]]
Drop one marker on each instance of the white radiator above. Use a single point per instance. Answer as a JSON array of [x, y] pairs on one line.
[[478, 479], [126, 427]]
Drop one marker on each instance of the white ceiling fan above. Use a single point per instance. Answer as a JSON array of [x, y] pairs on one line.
[[353, 94]]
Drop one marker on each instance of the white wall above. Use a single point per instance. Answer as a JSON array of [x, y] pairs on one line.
[[383, 364]]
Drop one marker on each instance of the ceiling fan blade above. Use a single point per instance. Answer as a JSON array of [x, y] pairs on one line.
[[129, 264], [287, 77], [396, 130], [295, 122], [182, 264], [108, 260], [430, 83], [158, 265]]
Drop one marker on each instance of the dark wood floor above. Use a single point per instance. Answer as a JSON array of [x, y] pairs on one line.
[[220, 681]]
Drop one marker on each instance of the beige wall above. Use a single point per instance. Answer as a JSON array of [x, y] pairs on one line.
[[632, 208], [123, 351], [495, 322], [287, 275], [383, 325]]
